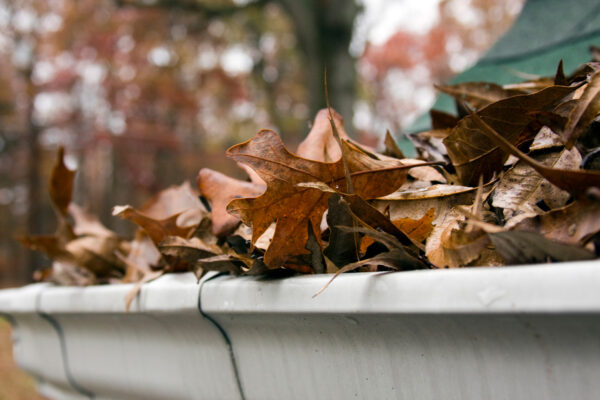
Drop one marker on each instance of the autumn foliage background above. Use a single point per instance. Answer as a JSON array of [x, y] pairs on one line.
[[143, 96]]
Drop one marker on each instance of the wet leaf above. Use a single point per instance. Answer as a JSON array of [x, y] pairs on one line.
[[474, 154]]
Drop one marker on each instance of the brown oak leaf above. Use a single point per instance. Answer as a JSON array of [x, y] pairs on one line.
[[289, 205]]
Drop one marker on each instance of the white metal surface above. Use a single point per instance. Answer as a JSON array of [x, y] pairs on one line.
[[495, 333]]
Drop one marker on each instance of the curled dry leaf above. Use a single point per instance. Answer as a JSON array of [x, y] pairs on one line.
[[171, 201], [434, 248], [87, 244], [546, 139], [189, 250], [157, 230], [521, 189], [320, 144], [573, 224], [61, 184], [231, 263], [474, 154], [391, 147], [441, 198], [426, 173], [86, 224], [584, 112], [182, 254], [50, 245], [98, 254], [441, 120], [137, 287], [219, 190], [478, 94], [69, 274], [576, 182], [143, 257], [430, 145]]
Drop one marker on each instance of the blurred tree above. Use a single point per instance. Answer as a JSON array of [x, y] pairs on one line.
[[145, 93]]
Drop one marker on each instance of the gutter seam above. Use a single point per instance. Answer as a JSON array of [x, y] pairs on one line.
[[63, 349], [223, 334]]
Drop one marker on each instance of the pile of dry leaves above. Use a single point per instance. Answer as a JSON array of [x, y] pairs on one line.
[[512, 179]]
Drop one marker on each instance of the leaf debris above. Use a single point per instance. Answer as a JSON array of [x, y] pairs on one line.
[[383, 211]]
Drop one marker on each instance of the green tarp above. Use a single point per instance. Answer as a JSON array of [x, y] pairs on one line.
[[545, 32]]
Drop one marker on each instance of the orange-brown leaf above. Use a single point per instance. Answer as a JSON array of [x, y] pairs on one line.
[[320, 143], [219, 190], [158, 230], [61, 184], [171, 201], [419, 229], [416, 229]]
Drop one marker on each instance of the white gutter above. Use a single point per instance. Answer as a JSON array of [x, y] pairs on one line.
[[489, 333]]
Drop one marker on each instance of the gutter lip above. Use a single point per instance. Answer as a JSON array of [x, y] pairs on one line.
[[551, 288]]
